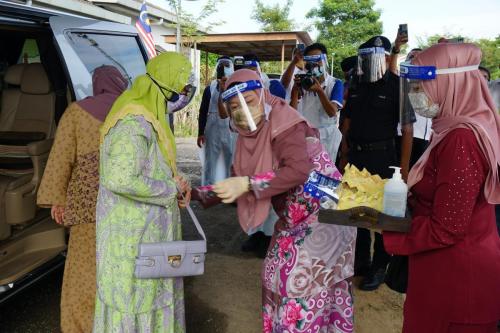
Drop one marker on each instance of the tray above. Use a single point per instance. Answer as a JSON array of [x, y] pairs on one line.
[[365, 217]]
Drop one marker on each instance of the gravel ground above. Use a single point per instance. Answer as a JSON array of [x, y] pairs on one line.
[[226, 299]]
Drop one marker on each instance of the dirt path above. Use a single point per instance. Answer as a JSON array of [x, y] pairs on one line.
[[226, 299]]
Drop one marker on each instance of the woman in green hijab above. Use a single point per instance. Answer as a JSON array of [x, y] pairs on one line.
[[138, 179]]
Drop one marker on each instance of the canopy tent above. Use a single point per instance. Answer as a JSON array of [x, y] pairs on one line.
[[268, 46]]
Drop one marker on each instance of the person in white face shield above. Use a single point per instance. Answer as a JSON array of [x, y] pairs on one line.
[[274, 86], [213, 131], [453, 247], [306, 271], [318, 96]]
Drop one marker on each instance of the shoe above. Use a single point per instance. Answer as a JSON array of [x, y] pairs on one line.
[[263, 246], [373, 280], [253, 242], [362, 268]]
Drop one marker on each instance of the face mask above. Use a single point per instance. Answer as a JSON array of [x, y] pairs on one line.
[[256, 112], [228, 72], [174, 96], [422, 105]]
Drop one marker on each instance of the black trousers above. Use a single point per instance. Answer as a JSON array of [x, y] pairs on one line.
[[376, 162]]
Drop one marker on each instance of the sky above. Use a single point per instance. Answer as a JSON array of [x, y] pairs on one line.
[[475, 19]]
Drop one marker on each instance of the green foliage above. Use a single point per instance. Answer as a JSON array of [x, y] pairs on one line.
[[489, 48], [186, 120], [424, 42], [345, 24], [190, 24], [273, 17], [491, 55], [272, 67]]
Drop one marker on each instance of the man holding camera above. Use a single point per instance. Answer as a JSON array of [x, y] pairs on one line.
[[319, 96]]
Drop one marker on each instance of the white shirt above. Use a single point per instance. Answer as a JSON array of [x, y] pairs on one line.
[[422, 128]]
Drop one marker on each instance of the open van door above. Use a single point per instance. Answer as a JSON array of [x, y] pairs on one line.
[[87, 44]]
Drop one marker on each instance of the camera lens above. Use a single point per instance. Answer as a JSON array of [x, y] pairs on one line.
[[307, 82]]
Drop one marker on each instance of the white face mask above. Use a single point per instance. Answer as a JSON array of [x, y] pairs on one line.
[[422, 105]]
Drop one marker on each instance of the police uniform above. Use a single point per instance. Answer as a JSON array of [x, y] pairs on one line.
[[373, 110]]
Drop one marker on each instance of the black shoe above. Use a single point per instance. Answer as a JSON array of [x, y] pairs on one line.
[[263, 246], [373, 280], [362, 269], [253, 242]]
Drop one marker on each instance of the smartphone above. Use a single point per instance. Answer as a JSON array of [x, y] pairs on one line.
[[301, 47], [403, 30], [455, 40], [220, 72]]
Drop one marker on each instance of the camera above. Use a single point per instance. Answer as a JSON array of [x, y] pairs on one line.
[[306, 80], [220, 71]]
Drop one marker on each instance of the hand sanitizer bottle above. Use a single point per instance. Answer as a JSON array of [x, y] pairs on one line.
[[395, 194]]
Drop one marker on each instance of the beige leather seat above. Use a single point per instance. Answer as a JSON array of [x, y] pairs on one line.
[[24, 148], [11, 95]]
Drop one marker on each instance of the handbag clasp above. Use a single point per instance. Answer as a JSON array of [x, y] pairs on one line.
[[175, 261]]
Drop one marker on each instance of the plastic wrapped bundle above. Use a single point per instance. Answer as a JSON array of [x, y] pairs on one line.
[[360, 188]]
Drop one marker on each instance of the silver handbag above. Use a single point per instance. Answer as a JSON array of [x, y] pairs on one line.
[[172, 259]]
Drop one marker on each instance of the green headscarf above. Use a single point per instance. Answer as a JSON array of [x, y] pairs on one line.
[[171, 71]]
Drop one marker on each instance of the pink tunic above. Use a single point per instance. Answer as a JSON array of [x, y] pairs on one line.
[[453, 246], [305, 271]]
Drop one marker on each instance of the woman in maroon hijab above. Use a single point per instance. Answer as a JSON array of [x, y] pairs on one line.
[[69, 187], [453, 245]]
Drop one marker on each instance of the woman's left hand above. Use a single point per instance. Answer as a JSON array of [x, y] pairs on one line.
[[184, 188], [232, 188]]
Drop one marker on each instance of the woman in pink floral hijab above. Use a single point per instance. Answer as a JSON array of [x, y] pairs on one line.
[[305, 272]]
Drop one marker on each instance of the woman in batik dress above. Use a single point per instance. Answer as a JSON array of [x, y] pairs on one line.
[[308, 264], [69, 187], [138, 184]]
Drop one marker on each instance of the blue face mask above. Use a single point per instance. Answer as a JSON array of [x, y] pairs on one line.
[[228, 71]]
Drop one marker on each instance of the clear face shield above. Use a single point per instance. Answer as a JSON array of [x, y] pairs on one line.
[[245, 104], [412, 91], [316, 64], [314, 67], [224, 69], [371, 64], [181, 98]]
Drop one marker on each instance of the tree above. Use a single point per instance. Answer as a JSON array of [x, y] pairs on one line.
[[425, 42], [191, 30], [273, 17], [345, 24], [491, 55]]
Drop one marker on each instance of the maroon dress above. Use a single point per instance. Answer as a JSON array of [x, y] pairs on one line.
[[453, 245]]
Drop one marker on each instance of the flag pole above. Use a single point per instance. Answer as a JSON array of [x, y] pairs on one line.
[[178, 39]]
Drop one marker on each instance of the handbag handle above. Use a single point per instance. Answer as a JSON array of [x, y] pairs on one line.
[[191, 214]]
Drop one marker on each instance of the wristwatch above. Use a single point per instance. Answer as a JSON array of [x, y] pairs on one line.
[[394, 50]]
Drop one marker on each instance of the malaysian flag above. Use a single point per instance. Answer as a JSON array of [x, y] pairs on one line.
[[142, 25]]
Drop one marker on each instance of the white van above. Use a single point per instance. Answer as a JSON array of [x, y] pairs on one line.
[[46, 62]]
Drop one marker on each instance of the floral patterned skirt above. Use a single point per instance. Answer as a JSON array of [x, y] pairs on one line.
[[330, 311]]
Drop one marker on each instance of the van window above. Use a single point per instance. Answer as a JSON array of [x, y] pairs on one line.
[[120, 51], [29, 53]]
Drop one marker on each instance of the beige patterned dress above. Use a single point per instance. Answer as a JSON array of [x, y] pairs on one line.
[[71, 180]]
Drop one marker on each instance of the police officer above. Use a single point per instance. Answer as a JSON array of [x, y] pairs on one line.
[[370, 126]]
